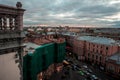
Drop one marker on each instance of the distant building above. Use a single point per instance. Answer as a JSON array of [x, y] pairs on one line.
[[113, 33]]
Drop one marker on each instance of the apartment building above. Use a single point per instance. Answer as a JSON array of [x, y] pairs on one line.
[[113, 64], [94, 49]]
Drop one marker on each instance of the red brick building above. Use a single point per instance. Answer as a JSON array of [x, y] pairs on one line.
[[69, 36], [94, 49]]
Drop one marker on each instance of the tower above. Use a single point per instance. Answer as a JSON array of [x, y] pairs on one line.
[[11, 36]]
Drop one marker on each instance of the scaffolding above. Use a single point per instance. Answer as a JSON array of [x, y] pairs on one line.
[[41, 59]]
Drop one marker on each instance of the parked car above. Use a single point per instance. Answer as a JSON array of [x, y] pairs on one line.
[[89, 70], [81, 72], [74, 67], [78, 66], [102, 68], [85, 66], [86, 72], [94, 77]]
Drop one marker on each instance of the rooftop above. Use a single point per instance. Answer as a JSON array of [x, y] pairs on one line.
[[116, 57], [30, 47], [106, 30], [99, 40], [35, 42], [50, 33], [69, 33]]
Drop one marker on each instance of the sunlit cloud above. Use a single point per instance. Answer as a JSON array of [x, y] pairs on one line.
[[114, 17], [114, 2], [62, 15]]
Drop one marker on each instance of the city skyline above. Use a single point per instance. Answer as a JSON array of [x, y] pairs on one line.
[[100, 13], [55, 53]]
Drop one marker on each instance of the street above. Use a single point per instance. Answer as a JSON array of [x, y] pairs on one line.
[[78, 70], [95, 71], [67, 74]]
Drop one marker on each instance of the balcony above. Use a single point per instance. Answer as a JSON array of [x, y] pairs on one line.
[[11, 34], [8, 45]]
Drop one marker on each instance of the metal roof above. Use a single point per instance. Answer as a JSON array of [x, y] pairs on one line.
[[99, 40], [31, 45], [116, 57], [69, 33]]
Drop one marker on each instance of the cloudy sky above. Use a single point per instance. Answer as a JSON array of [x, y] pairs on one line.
[[99, 13]]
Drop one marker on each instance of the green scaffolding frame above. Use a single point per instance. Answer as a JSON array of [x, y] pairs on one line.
[[45, 55]]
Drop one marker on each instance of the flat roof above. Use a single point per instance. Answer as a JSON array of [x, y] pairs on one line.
[[50, 32], [69, 33], [96, 39], [31, 45], [113, 30], [116, 57]]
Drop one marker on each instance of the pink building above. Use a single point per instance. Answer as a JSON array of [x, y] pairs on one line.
[[94, 49]]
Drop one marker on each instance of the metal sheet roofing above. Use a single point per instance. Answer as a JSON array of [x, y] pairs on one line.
[[99, 40], [31, 45], [116, 57], [69, 33]]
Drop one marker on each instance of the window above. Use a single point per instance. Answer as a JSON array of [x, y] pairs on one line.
[[106, 48], [112, 68], [101, 52], [106, 53], [93, 56], [100, 58], [97, 51], [88, 55], [96, 57]]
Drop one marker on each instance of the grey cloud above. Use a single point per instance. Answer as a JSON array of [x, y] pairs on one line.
[[85, 11], [116, 24]]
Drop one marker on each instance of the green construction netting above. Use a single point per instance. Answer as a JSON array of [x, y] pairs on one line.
[[45, 55]]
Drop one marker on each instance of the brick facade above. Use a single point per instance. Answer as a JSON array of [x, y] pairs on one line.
[[93, 52]]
